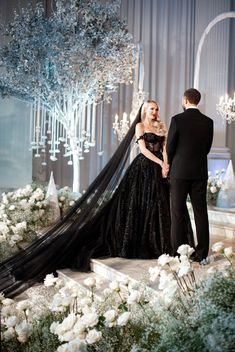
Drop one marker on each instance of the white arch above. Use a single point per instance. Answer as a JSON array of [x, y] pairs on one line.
[[218, 18]]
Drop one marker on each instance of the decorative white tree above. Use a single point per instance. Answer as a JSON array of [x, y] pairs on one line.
[[64, 65]]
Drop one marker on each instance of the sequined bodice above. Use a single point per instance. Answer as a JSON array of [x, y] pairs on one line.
[[153, 141]]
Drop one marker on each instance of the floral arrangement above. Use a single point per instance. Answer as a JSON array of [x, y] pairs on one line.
[[24, 213], [129, 316], [214, 185]]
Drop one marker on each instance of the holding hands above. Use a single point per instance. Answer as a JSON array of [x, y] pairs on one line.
[[165, 169]]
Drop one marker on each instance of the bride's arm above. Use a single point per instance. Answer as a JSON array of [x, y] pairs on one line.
[[139, 132]]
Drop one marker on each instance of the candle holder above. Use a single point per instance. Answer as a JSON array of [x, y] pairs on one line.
[[226, 108]]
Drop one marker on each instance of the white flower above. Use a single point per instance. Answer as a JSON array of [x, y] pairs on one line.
[[90, 319], [7, 301], [114, 286], [7, 311], [23, 331], [165, 280], [185, 249], [93, 336], [184, 268], [75, 345], [62, 198], [218, 247], [170, 289], [3, 238], [86, 301], [50, 280], [68, 322], [154, 273], [54, 327], [134, 297], [4, 229], [163, 259], [110, 316], [9, 334], [123, 318], [79, 330], [213, 189], [90, 282], [71, 203], [228, 252], [174, 263], [12, 207], [12, 321]]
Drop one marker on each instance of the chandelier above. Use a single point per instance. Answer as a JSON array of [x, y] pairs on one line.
[[226, 108]]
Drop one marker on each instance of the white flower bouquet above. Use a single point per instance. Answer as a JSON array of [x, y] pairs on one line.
[[214, 185]]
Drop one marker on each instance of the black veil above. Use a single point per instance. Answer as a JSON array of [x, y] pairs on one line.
[[72, 241]]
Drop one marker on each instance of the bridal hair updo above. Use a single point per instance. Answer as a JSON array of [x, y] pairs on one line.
[[158, 124]]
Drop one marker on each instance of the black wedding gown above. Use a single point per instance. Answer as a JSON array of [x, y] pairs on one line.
[[122, 214]]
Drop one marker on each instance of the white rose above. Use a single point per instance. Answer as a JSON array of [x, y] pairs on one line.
[[163, 259], [185, 249], [79, 329], [9, 334], [174, 263], [11, 321], [110, 315], [2, 238], [165, 281], [134, 297], [90, 282], [228, 252], [8, 301], [184, 268], [76, 345], [68, 322], [7, 311], [93, 336], [213, 189], [66, 336], [218, 247], [123, 318], [90, 319], [114, 286], [170, 289], [50, 280], [23, 331], [154, 273], [54, 327], [4, 229]]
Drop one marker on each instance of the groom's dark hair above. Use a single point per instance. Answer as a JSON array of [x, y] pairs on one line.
[[193, 95]]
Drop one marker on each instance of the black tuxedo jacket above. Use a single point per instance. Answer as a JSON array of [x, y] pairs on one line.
[[188, 143]]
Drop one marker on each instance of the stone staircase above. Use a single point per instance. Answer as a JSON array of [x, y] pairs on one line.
[[222, 228]]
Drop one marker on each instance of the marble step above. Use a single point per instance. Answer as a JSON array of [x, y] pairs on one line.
[[79, 277], [221, 222]]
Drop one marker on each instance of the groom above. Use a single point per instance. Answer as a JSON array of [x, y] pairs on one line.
[[189, 141]]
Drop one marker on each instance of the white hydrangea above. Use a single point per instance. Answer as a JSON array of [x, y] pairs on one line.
[[185, 249]]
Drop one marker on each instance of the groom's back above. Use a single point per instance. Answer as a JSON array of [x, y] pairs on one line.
[[194, 136]]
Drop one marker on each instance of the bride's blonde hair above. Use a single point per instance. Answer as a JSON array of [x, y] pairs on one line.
[[158, 124]]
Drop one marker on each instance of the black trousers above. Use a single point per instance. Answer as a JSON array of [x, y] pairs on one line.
[[196, 189]]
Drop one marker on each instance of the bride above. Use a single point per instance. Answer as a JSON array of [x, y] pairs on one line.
[[122, 214]]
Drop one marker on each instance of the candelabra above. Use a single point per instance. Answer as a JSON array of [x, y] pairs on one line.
[[226, 108], [121, 127]]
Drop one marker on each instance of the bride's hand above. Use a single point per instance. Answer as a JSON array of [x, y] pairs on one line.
[[165, 169]]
